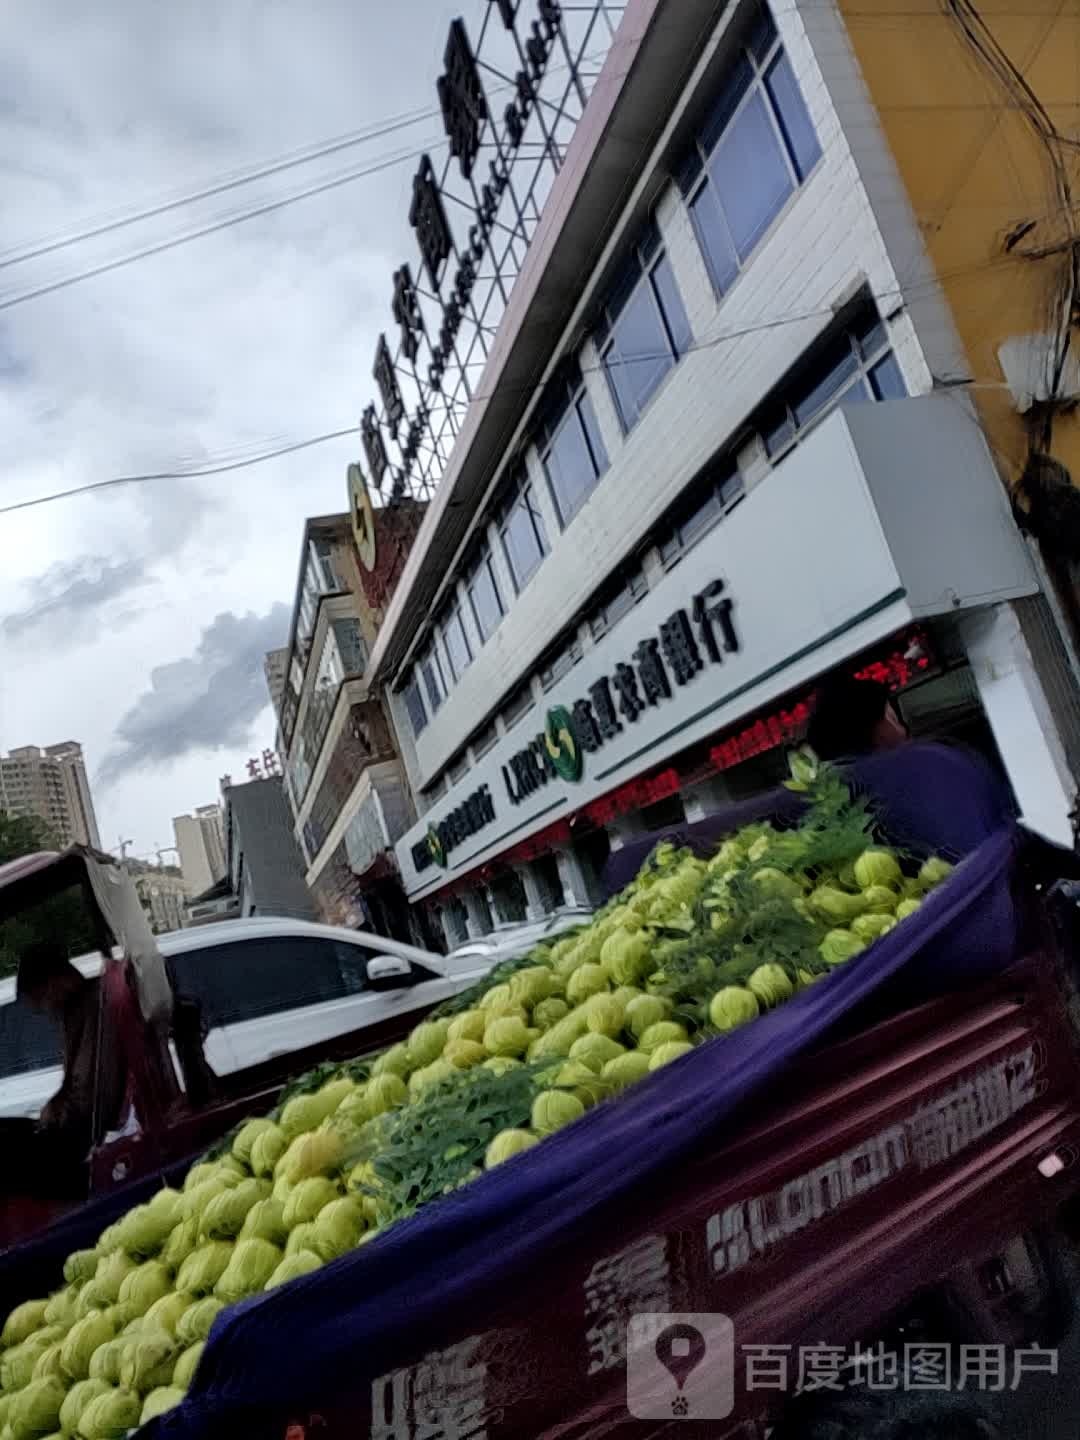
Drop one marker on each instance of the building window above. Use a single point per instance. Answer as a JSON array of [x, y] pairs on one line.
[[458, 650], [435, 791], [521, 527], [617, 599], [853, 367], [484, 597], [518, 706], [484, 740], [699, 510], [643, 329], [351, 647], [755, 149], [434, 685], [414, 705], [571, 449], [458, 768], [560, 663]]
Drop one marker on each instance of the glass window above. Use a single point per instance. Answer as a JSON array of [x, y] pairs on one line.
[[431, 670], [29, 1040], [755, 147], [484, 740], [574, 458], [793, 116], [647, 337], [618, 600], [523, 535], [886, 380], [699, 512], [828, 380], [560, 664], [248, 979], [435, 791], [458, 768], [643, 329], [671, 306], [855, 368], [484, 597], [458, 651], [414, 704], [519, 705], [351, 647], [751, 175]]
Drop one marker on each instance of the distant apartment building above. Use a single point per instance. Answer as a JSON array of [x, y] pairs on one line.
[[275, 665], [51, 784], [200, 838], [162, 893], [343, 777]]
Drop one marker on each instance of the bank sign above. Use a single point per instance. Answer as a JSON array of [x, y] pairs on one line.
[[886, 515], [688, 640]]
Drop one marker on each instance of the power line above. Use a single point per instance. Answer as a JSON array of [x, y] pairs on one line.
[[186, 474], [35, 249], [266, 208], [222, 467]]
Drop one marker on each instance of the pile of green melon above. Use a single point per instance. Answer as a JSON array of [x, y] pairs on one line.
[[692, 950]]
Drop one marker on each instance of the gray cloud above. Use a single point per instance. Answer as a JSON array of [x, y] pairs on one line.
[[65, 602], [210, 350], [208, 701]]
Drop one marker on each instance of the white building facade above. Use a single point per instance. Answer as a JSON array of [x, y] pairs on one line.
[[714, 453]]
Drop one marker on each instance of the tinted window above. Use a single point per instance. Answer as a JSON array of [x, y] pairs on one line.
[[754, 148], [484, 595], [457, 643], [648, 334], [524, 537], [250, 978], [414, 704], [28, 1040]]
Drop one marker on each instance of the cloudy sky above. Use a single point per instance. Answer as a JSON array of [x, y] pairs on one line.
[[136, 621]]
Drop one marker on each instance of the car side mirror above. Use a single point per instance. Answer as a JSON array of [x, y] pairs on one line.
[[388, 972]]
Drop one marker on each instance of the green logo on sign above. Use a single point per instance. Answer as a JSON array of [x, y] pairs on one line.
[[435, 847], [562, 744]]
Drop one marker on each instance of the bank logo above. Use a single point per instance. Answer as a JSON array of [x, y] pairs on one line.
[[435, 846], [561, 741]]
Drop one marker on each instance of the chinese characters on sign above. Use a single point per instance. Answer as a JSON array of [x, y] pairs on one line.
[[468, 817], [616, 1288], [422, 406], [919, 1366], [633, 688], [934, 1133], [441, 1398]]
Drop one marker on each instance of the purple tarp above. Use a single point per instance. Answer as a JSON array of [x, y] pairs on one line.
[[425, 1283], [927, 797]]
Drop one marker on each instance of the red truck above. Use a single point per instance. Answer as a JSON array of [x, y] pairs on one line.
[[896, 1188]]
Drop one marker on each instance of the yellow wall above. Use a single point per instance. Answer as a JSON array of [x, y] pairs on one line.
[[975, 169]]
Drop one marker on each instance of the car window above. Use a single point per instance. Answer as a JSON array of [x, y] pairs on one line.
[[245, 979], [28, 1040]]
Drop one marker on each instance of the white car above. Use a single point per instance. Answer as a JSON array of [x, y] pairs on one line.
[[266, 986], [507, 942]]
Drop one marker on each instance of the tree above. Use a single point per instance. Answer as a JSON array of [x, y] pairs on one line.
[[64, 917]]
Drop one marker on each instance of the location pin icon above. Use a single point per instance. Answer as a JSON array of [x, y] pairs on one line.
[[680, 1349]]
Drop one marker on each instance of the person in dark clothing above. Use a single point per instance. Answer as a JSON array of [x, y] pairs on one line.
[[929, 795], [91, 1099], [853, 717]]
